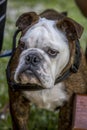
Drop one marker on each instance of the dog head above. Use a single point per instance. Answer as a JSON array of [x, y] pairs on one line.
[[48, 41]]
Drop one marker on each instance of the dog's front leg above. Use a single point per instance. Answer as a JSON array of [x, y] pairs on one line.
[[19, 109], [65, 116]]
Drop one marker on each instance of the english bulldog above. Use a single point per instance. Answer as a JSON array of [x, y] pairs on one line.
[[47, 57]]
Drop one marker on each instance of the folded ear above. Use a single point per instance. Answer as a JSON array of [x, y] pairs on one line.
[[26, 20], [72, 29], [52, 14]]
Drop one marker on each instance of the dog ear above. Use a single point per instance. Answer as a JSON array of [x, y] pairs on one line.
[[52, 14], [26, 20], [72, 29]]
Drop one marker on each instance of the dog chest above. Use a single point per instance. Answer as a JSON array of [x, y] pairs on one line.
[[49, 98]]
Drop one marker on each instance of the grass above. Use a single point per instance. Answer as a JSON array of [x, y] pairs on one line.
[[15, 8]]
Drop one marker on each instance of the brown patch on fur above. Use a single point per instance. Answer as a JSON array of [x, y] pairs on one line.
[[52, 14], [19, 106], [72, 29], [26, 20], [19, 109]]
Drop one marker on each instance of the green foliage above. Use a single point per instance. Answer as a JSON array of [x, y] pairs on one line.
[[42, 119], [46, 120]]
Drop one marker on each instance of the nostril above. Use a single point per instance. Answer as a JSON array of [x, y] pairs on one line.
[[35, 60], [27, 59], [32, 59]]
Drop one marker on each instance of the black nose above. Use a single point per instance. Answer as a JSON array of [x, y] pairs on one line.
[[32, 59]]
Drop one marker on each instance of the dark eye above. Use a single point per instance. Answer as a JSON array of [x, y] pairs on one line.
[[52, 52], [22, 45]]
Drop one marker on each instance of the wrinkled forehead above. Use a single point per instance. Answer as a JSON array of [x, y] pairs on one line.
[[43, 33], [42, 29]]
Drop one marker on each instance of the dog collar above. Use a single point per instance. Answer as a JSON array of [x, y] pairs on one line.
[[74, 67], [18, 87]]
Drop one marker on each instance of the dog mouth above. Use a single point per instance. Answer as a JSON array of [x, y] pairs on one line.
[[27, 81], [28, 76]]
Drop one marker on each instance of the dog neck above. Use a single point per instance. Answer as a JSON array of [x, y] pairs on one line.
[[49, 99]]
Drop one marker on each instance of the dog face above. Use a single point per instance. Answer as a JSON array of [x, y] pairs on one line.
[[45, 55], [46, 47]]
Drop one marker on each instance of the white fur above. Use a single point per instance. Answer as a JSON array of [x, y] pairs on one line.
[[40, 36], [49, 98]]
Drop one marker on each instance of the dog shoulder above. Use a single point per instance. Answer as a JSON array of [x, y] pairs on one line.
[[77, 83]]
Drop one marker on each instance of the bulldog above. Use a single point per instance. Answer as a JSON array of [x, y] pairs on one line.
[[47, 57]]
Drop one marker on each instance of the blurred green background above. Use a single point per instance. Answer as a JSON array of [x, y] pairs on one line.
[[39, 119]]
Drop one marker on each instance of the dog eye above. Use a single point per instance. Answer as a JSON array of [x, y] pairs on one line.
[[52, 52], [22, 45]]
